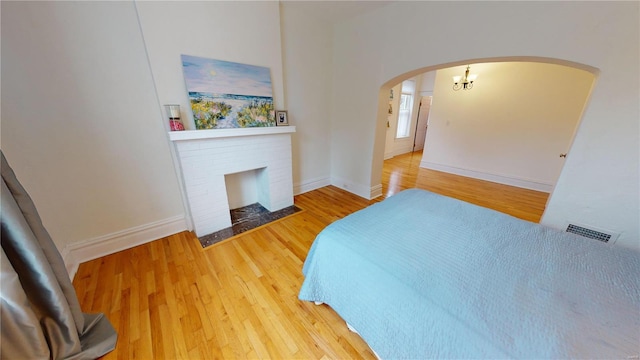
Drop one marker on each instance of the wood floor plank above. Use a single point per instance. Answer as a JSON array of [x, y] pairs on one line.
[[171, 299]]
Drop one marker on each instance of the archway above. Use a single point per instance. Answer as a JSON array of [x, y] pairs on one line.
[[378, 152]]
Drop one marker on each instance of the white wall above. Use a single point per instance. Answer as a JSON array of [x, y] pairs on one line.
[[427, 83], [81, 123], [599, 183], [243, 32], [307, 57], [511, 127]]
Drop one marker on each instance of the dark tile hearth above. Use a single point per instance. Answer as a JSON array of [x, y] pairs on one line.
[[245, 219]]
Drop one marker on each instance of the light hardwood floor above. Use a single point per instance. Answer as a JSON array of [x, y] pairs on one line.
[[171, 299]]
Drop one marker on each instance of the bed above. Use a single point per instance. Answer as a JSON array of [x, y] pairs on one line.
[[420, 275]]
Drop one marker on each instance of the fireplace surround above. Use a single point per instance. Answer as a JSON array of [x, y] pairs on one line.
[[206, 156]]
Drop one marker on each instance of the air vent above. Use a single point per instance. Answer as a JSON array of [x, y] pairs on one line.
[[589, 233]]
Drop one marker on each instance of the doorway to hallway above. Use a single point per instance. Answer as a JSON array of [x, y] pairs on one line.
[[422, 123]]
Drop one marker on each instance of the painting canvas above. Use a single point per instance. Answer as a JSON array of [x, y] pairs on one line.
[[226, 95]]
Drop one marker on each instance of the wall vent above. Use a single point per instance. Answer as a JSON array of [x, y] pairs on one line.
[[589, 233]]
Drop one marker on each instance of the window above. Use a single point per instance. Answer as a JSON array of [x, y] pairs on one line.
[[404, 116]]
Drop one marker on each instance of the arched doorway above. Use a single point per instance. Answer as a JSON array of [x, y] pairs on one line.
[[504, 164]]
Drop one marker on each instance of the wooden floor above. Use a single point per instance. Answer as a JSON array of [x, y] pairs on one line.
[[171, 299], [403, 172]]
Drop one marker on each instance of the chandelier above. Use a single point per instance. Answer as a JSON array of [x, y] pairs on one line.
[[465, 83]]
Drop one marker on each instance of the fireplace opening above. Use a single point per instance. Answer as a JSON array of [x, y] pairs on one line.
[[248, 195], [247, 187]]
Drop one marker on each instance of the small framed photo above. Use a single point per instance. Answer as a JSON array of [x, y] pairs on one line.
[[281, 118]]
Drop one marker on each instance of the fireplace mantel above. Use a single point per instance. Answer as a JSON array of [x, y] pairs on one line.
[[224, 133]]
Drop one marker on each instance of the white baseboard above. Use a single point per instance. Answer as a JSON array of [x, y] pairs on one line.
[[77, 253], [357, 189], [362, 191], [70, 262], [367, 192], [501, 179], [310, 185], [375, 191], [400, 150]]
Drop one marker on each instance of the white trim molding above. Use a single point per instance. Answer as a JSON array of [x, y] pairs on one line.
[[346, 185], [223, 133], [69, 262], [311, 185], [79, 252], [501, 179], [367, 192], [375, 191]]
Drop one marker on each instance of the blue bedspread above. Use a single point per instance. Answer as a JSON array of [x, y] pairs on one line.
[[421, 275]]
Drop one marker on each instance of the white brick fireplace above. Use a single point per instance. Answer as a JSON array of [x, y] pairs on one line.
[[206, 156]]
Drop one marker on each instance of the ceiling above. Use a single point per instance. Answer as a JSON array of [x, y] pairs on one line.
[[334, 11]]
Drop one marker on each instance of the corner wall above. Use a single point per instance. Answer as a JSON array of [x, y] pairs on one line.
[[82, 127], [307, 52]]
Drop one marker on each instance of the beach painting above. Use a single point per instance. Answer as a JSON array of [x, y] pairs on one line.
[[227, 95]]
